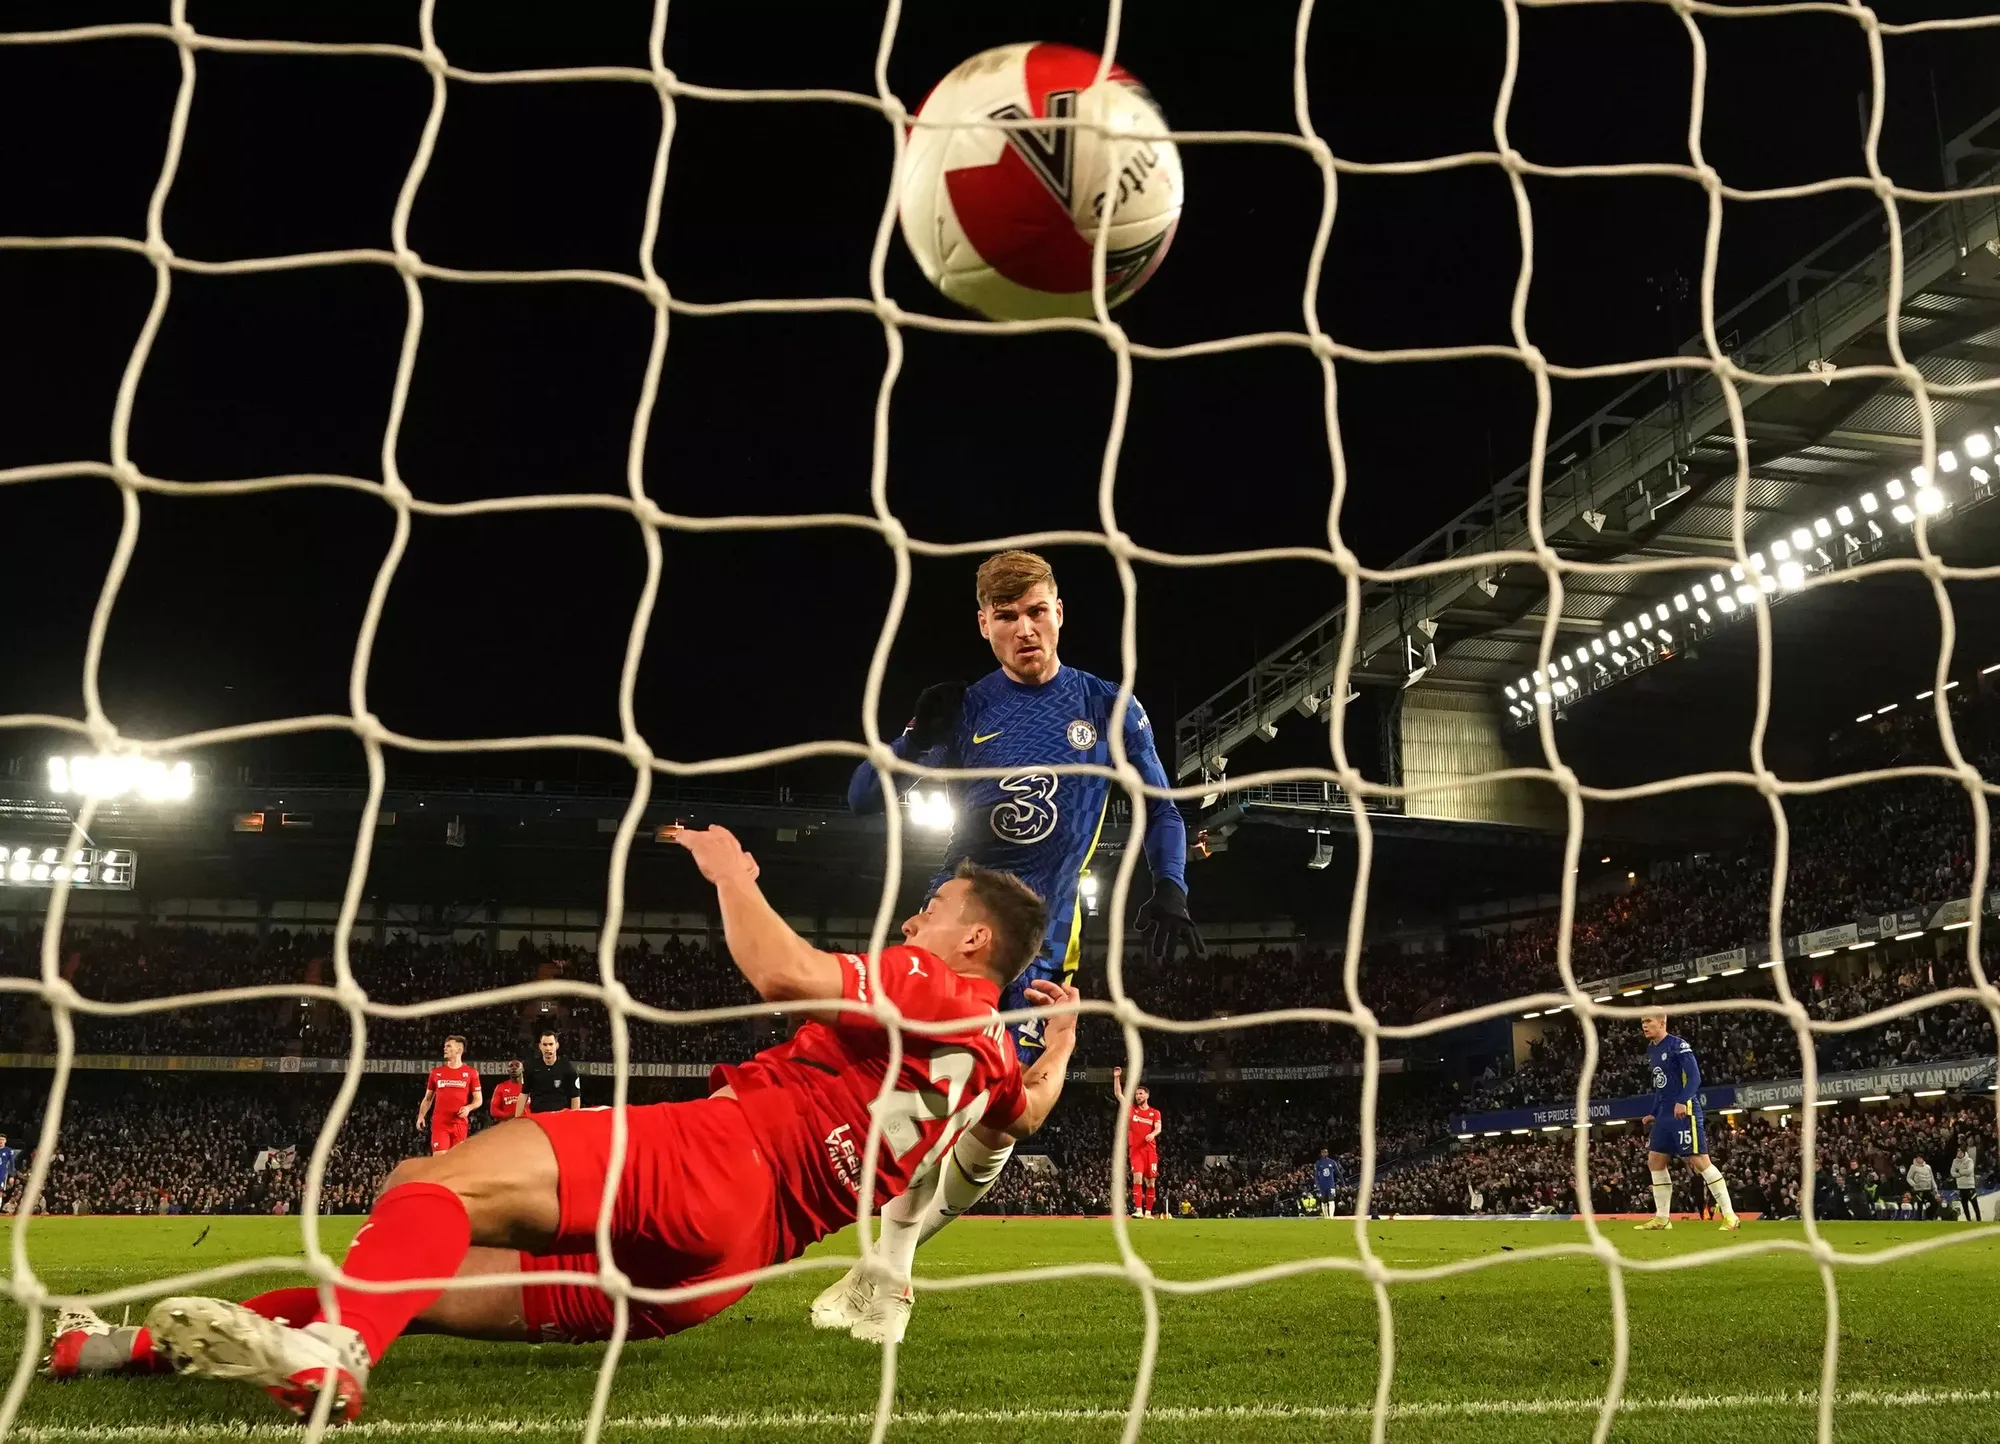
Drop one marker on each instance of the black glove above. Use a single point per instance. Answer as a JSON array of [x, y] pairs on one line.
[[1164, 923], [938, 706]]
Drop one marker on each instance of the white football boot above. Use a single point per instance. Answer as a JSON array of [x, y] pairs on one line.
[[888, 1316], [227, 1341], [845, 1303]]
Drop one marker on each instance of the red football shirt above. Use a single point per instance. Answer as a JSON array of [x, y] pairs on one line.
[[808, 1100], [453, 1087], [1139, 1135], [506, 1095]]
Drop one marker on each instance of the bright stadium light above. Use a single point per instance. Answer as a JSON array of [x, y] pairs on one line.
[[1930, 501], [1895, 487], [1511, 693], [1947, 461], [1844, 515], [1791, 574], [931, 810], [1977, 446], [1727, 604], [1868, 502], [106, 777], [1702, 612], [1904, 515], [1597, 646], [1631, 629], [1681, 602], [1822, 528], [1781, 548]]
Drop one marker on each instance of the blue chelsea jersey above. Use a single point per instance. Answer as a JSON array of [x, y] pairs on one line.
[[1676, 1076], [1040, 825]]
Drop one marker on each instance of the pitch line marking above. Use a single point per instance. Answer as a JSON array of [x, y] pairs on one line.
[[778, 1419]]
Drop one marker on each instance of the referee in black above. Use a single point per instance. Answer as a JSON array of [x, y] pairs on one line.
[[551, 1083]]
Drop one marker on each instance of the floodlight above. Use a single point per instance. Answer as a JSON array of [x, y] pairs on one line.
[[1582, 654], [1511, 693], [1700, 592], [1757, 560], [1566, 665], [1842, 515], [1088, 886], [1661, 611], [1525, 686], [1977, 446], [1780, 549], [1930, 501], [1597, 646], [930, 810], [1947, 461], [1868, 502], [1791, 574], [1681, 602], [1702, 612], [1746, 594], [1665, 635], [105, 777], [1726, 603], [1895, 488], [1631, 629], [1735, 574], [1904, 515], [1802, 538]]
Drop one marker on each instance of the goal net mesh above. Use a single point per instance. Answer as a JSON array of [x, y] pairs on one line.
[[125, 472]]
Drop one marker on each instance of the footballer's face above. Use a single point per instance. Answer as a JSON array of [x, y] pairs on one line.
[[1023, 633], [1139, 1097], [453, 1051], [944, 929], [1654, 1026], [548, 1048]]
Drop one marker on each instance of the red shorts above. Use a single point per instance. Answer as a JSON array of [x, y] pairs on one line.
[[446, 1133], [1146, 1161], [696, 1201]]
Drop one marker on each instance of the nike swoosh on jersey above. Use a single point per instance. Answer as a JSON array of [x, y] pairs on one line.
[[977, 738]]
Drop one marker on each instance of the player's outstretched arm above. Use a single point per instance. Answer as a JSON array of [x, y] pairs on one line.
[[424, 1108], [1163, 918], [778, 963], [1042, 1084], [927, 740]]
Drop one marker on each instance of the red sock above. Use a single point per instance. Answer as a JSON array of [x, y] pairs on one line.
[[416, 1231], [1149, 1195], [1138, 1193], [297, 1307]]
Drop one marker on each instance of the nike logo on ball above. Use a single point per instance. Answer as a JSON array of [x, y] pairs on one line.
[[988, 737]]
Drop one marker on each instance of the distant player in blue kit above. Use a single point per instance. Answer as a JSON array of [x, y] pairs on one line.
[[1678, 1130], [1041, 826], [1326, 1181]]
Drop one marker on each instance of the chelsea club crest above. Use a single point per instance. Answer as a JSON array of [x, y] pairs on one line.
[[1082, 736]]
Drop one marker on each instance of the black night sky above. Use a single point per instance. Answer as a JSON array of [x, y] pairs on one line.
[[246, 608]]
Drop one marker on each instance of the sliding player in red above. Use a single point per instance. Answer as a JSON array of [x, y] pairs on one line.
[[1142, 1146], [769, 1163], [454, 1090]]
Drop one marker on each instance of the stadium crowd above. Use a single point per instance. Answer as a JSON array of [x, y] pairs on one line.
[[1864, 1152]]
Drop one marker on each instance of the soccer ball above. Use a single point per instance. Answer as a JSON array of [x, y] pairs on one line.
[[1003, 221]]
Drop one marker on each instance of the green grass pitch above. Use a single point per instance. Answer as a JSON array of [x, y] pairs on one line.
[[1724, 1353]]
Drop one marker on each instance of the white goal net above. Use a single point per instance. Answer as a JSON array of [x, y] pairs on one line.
[[127, 473]]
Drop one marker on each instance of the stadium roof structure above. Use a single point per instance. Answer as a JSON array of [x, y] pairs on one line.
[[1653, 474]]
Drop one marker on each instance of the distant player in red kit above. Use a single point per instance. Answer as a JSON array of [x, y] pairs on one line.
[[450, 1098], [766, 1165], [506, 1102], [1142, 1146]]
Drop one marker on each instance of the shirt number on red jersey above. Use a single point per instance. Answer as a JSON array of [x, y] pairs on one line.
[[1029, 813], [904, 1112]]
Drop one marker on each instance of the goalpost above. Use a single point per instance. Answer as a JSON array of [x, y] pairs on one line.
[[126, 473]]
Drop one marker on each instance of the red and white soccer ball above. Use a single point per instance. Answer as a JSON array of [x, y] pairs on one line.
[[1003, 221]]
